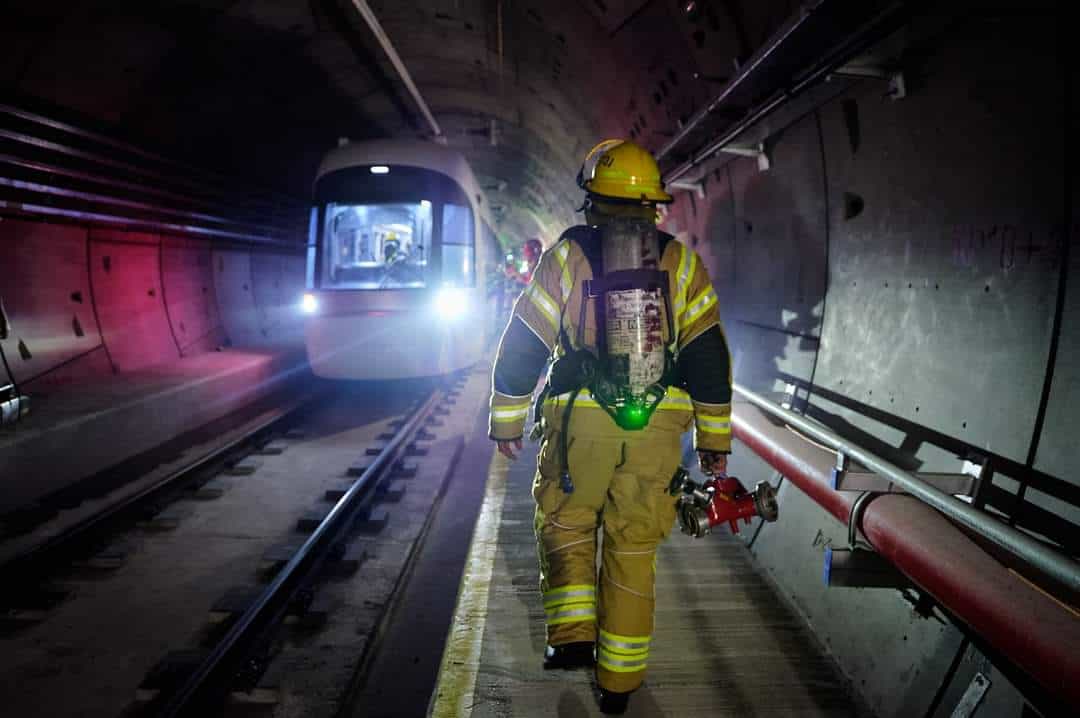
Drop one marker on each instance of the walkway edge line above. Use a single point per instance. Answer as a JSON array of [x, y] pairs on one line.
[[456, 684]]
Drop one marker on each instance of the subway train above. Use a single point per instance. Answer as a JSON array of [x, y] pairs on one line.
[[400, 247]]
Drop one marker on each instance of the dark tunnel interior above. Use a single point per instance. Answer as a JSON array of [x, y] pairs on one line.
[[883, 195]]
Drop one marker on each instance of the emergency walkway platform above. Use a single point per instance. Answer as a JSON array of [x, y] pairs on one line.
[[724, 644]]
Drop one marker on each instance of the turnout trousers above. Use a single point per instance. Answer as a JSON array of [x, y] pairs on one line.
[[620, 481]]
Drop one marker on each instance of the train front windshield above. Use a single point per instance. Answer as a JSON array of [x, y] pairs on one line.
[[376, 246], [407, 228]]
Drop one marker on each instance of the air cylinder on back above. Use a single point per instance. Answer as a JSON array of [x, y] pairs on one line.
[[634, 317]]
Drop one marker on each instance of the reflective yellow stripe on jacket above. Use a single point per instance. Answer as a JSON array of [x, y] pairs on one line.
[[544, 303], [507, 414], [674, 400], [566, 280], [697, 306], [687, 267], [712, 424]]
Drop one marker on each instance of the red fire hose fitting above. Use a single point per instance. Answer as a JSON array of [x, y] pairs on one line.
[[703, 506]]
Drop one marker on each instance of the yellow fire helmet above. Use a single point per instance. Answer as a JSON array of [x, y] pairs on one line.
[[622, 171]]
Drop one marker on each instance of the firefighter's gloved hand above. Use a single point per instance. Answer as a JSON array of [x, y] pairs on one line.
[[713, 463], [506, 448]]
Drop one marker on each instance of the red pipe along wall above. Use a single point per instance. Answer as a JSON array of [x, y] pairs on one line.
[[1034, 631]]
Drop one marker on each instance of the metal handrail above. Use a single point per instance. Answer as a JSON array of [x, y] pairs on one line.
[[1049, 561]]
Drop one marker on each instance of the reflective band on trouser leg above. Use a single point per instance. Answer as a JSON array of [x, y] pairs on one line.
[[567, 553], [543, 302], [622, 654], [570, 604]]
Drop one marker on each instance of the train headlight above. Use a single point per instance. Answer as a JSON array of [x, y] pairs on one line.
[[451, 303], [309, 304]]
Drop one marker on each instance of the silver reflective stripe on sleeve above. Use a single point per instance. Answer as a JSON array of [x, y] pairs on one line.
[[714, 425]]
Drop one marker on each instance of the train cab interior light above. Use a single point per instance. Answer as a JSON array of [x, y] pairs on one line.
[[380, 170]]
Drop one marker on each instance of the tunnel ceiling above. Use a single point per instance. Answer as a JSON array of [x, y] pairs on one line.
[[262, 88]]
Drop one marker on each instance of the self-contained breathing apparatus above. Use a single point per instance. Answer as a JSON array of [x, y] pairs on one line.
[[634, 324], [634, 364]]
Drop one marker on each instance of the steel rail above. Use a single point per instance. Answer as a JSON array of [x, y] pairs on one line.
[[866, 36], [1045, 559], [43, 557], [210, 681]]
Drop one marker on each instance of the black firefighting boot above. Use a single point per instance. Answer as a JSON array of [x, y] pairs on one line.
[[569, 655], [612, 703]]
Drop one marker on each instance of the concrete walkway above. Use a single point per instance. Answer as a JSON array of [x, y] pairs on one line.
[[725, 644]]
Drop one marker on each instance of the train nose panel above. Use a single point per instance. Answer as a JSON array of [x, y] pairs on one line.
[[390, 346]]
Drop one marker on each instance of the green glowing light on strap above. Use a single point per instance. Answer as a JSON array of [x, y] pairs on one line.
[[633, 416]]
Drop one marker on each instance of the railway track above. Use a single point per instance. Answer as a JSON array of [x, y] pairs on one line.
[[355, 472], [35, 563]]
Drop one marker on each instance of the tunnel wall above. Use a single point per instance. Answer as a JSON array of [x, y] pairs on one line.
[[127, 340], [85, 302], [906, 264], [187, 273]]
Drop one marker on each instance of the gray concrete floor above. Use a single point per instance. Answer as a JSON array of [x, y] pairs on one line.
[[725, 643]]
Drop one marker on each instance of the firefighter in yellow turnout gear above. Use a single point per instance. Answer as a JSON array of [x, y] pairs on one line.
[[592, 473]]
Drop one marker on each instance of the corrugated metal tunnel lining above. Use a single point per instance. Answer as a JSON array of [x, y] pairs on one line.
[[892, 245]]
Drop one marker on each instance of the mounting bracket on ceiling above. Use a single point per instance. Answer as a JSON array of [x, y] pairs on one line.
[[897, 87], [758, 151], [689, 186]]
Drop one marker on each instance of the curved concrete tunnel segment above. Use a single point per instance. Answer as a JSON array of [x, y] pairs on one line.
[[113, 332], [128, 297]]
